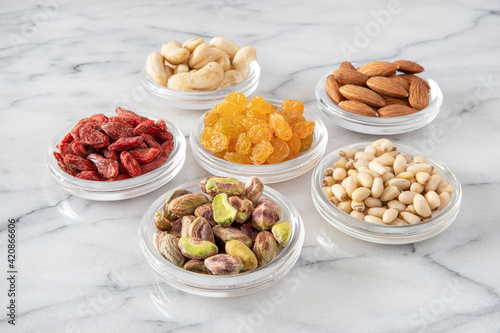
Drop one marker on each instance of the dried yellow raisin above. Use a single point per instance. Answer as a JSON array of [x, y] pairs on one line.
[[229, 127], [306, 143], [303, 129], [243, 144], [238, 99], [259, 105], [294, 145], [295, 105], [260, 132], [213, 140], [260, 152], [281, 151], [280, 126], [237, 158]]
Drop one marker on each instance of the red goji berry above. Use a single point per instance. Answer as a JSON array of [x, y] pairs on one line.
[[79, 163], [144, 127], [155, 163], [167, 147], [105, 167], [68, 138], [130, 163], [131, 117], [161, 124], [65, 148], [111, 154], [121, 176], [80, 149], [116, 130], [62, 165], [159, 135], [89, 175], [150, 141], [146, 155], [126, 143], [92, 137], [99, 118]]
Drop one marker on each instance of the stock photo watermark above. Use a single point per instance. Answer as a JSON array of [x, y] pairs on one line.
[[364, 35], [33, 23]]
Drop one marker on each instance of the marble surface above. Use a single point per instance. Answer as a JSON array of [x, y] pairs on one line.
[[79, 266]]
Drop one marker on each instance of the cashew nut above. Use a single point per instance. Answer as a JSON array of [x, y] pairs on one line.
[[174, 53], [155, 67], [201, 56], [193, 43], [207, 78], [243, 58], [182, 68], [231, 77], [225, 45], [223, 59]]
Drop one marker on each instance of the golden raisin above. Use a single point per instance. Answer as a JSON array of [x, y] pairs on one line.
[[259, 105], [237, 158], [243, 144], [229, 127], [280, 151], [211, 118], [260, 152], [289, 105], [238, 99], [260, 132], [294, 145], [306, 143], [248, 122], [303, 129], [213, 140], [280, 126], [294, 117]]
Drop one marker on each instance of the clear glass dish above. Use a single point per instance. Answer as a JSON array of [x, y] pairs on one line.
[[375, 125], [385, 234], [268, 173], [220, 285], [200, 100], [120, 189]]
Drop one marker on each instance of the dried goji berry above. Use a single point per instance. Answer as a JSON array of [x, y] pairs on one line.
[[131, 165], [68, 138], [105, 167], [161, 124], [89, 175], [121, 176], [126, 143], [79, 163], [159, 135], [119, 119], [80, 149], [144, 127], [155, 163], [146, 155], [111, 154], [167, 147], [150, 141], [62, 165], [131, 117], [92, 137], [65, 148], [99, 118], [116, 129]]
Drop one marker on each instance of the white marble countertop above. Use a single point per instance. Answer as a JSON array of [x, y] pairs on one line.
[[79, 266]]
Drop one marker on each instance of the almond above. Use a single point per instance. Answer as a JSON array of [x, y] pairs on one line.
[[378, 68], [386, 86], [395, 110], [332, 89], [359, 108], [362, 94], [346, 65], [400, 80], [410, 67], [394, 100], [410, 78], [350, 76], [419, 95]]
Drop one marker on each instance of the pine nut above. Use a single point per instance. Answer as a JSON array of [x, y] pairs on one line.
[[386, 145], [358, 205], [400, 183], [359, 162], [420, 167], [390, 215], [390, 192], [398, 221], [348, 153], [409, 158], [445, 198], [377, 142], [422, 177], [345, 206], [419, 159], [409, 217], [399, 164], [411, 209], [341, 163], [328, 191], [361, 194], [377, 167], [444, 188], [328, 171], [370, 149], [339, 192], [421, 206], [433, 199], [433, 183], [353, 173], [385, 160], [334, 200], [406, 197], [339, 173], [376, 211], [363, 155], [417, 187], [405, 175], [365, 179], [328, 181], [372, 202], [350, 185], [377, 187], [373, 219], [397, 205], [387, 176], [358, 215]]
